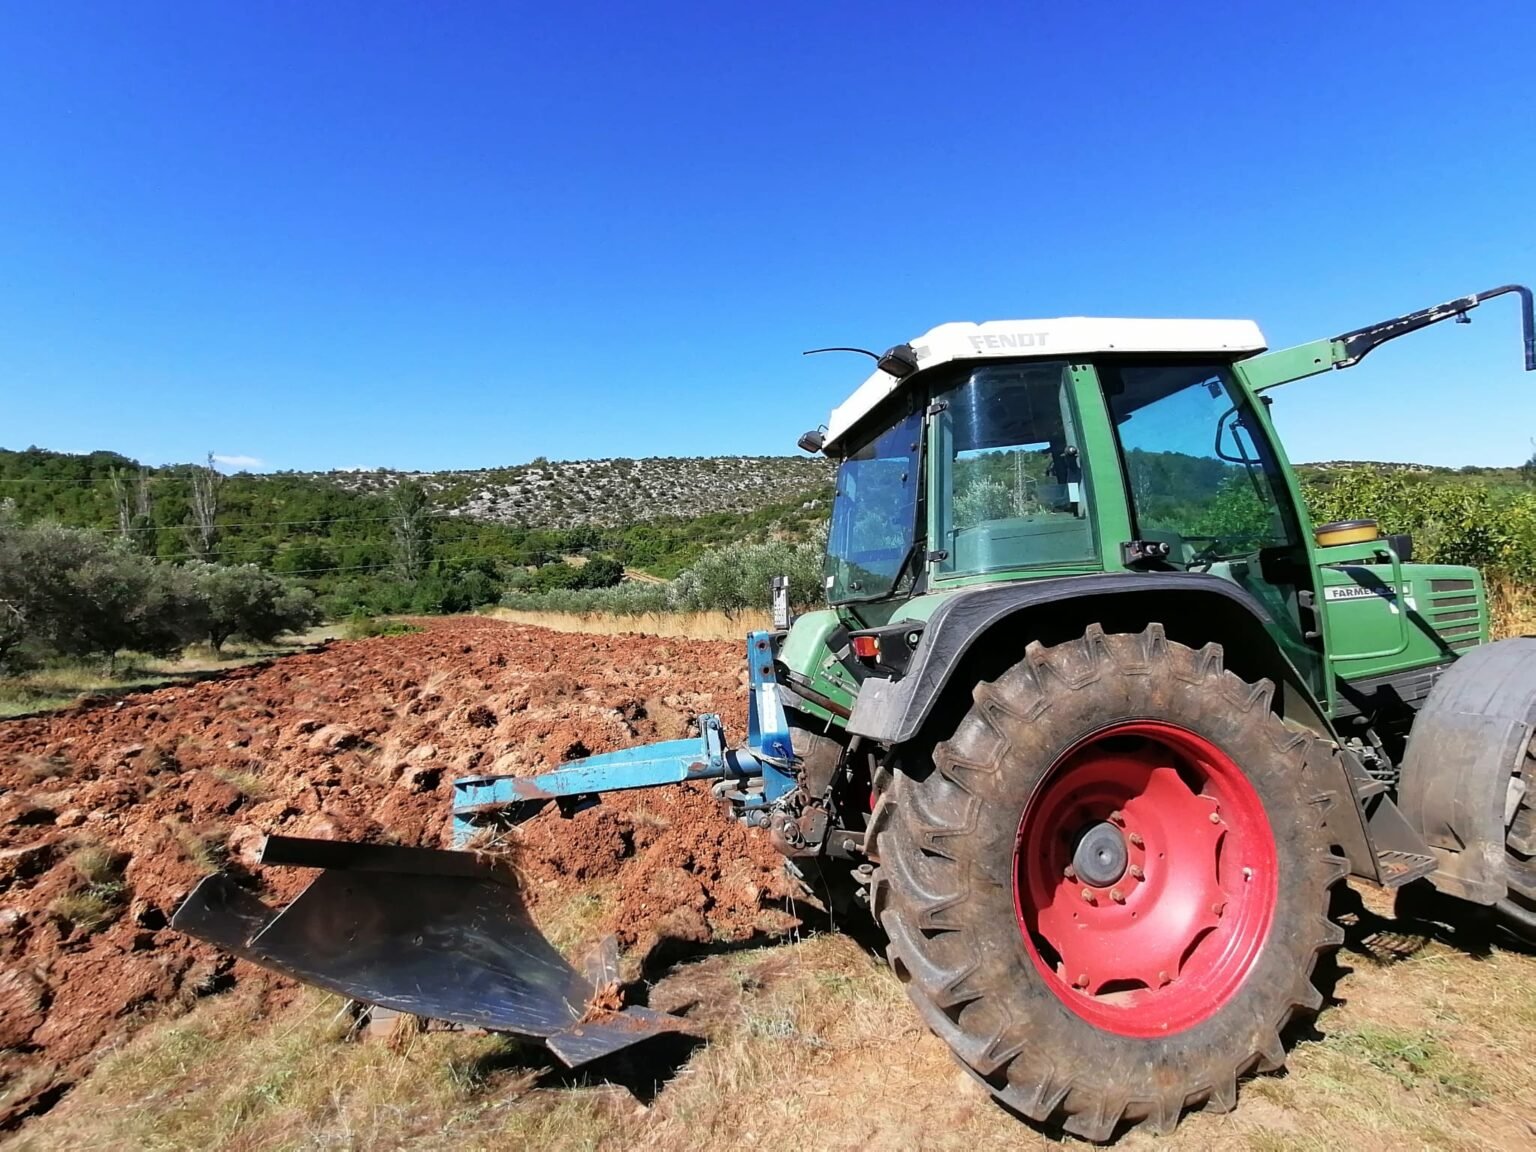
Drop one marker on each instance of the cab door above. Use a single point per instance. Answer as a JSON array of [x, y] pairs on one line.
[[1205, 474]]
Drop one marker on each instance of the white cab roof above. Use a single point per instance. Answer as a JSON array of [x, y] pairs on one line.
[[1063, 336]]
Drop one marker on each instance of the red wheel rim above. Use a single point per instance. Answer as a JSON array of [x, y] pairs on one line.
[[1165, 941]]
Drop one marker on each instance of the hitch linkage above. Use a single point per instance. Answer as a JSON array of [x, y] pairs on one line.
[[479, 801]]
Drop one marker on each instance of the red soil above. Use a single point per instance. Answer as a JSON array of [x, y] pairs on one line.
[[354, 741]]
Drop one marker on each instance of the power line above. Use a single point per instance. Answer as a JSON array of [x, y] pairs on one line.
[[131, 475], [263, 523]]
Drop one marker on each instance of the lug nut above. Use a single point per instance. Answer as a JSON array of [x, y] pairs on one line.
[[1162, 978], [1081, 981], [1219, 907], [1117, 817], [1135, 839], [1117, 896], [1087, 896], [1137, 873], [1071, 872], [1215, 818]]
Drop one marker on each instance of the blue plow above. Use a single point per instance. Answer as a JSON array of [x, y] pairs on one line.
[[479, 801], [445, 935]]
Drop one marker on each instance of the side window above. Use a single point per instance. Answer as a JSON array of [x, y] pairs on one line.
[[1010, 486], [1197, 477]]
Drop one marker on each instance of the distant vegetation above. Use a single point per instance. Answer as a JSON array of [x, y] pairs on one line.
[[368, 544], [75, 593], [392, 543]]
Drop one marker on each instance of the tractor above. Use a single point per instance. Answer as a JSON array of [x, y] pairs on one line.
[[1094, 724]]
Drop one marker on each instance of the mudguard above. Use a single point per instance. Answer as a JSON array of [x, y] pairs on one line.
[[1468, 744], [893, 711]]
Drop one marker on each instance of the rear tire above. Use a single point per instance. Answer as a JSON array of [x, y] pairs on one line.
[[982, 920], [1517, 911]]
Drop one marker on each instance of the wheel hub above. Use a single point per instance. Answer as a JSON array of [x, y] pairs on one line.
[[1101, 855], [1145, 878]]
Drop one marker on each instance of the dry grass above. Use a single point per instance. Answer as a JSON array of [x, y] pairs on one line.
[[687, 625], [98, 899], [810, 1043], [248, 784], [1511, 609], [62, 685]]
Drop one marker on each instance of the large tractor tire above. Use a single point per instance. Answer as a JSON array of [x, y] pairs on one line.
[[1517, 911], [1108, 890], [1469, 788]]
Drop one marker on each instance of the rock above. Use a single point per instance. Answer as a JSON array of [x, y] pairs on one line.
[[18, 811], [26, 861], [333, 738], [421, 753], [480, 717], [12, 920], [244, 845], [419, 778], [70, 818]]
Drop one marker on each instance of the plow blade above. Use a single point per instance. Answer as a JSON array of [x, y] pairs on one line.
[[443, 935]]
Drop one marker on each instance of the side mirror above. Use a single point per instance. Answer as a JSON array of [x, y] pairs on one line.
[[1402, 544], [810, 441]]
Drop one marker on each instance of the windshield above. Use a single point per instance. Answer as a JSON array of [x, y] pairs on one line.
[[1010, 490], [1198, 478], [874, 514]]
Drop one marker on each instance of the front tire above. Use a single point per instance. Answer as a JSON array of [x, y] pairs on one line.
[[1108, 890]]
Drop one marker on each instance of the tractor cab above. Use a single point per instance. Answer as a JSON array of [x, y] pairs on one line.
[[1035, 450]]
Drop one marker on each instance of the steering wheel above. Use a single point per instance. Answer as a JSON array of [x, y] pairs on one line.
[[1205, 556]]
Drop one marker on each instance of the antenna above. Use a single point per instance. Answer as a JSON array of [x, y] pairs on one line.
[[861, 351]]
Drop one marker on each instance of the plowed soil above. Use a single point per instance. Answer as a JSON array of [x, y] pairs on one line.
[[110, 812]]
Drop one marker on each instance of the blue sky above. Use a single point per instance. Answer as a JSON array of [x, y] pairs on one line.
[[453, 235]]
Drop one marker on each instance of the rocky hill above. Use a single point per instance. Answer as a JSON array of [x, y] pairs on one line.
[[605, 493]]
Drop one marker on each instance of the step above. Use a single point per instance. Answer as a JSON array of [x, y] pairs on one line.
[[1399, 868]]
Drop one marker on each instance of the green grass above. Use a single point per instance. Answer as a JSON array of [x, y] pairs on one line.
[[361, 626]]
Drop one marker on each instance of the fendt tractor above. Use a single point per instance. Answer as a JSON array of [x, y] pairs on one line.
[[1094, 724]]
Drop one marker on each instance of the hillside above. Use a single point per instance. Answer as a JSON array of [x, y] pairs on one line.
[[341, 528], [539, 494], [606, 493]]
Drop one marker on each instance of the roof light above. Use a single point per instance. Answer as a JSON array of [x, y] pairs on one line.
[[899, 362]]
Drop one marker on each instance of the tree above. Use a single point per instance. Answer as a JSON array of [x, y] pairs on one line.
[[410, 523], [600, 572], [247, 601], [131, 501], [74, 592], [205, 509]]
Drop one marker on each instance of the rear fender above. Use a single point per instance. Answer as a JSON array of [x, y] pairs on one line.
[[978, 633], [1469, 741]]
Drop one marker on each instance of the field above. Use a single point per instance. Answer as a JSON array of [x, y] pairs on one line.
[[117, 1032]]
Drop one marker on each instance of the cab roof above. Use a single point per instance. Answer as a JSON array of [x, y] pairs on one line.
[[1063, 336]]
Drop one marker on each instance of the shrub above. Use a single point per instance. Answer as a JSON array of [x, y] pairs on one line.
[[247, 601], [361, 626]]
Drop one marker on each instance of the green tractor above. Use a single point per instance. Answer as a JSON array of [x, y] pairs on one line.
[[1094, 724]]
